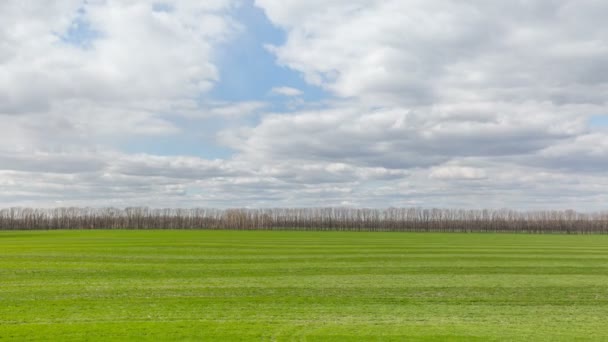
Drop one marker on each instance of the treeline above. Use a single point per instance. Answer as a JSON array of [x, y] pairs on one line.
[[338, 219]]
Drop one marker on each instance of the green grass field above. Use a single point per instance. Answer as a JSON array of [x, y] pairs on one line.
[[309, 286]]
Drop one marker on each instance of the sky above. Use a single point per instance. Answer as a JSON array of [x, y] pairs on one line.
[[304, 103]]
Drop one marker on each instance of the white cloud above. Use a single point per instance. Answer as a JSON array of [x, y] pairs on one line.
[[429, 84], [433, 51], [286, 91], [136, 61], [405, 138], [234, 110], [457, 172]]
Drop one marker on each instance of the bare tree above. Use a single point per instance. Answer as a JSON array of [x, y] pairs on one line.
[[348, 219]]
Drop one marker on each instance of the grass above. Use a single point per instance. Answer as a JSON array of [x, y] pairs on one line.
[[312, 286]]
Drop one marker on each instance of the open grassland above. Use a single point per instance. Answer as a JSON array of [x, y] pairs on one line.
[[312, 286]]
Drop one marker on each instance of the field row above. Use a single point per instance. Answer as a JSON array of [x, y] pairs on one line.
[[313, 286]]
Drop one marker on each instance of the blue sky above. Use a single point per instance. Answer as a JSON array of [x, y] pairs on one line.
[[248, 71], [599, 121], [414, 103], [79, 33]]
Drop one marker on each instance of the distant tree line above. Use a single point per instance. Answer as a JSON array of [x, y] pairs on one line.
[[335, 219]]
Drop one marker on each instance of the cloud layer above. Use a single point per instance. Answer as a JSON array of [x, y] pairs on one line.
[[431, 103]]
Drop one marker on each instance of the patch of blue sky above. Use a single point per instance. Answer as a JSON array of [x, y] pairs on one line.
[[196, 138], [599, 121], [80, 33], [248, 71], [162, 7]]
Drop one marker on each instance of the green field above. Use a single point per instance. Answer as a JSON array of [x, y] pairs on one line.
[[308, 286]]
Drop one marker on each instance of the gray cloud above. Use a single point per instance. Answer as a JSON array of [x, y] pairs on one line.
[[407, 138]]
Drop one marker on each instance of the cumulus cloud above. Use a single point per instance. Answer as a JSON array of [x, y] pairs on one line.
[[286, 91], [108, 64], [398, 137], [136, 54], [416, 52], [584, 153], [426, 84], [457, 172]]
